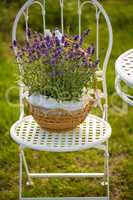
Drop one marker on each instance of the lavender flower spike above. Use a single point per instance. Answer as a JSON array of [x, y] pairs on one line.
[[58, 34], [96, 63], [91, 50], [85, 33], [76, 37], [53, 61], [14, 43], [28, 33], [57, 41], [48, 33], [63, 40]]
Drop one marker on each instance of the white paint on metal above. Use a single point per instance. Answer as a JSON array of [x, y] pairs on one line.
[[68, 198], [126, 97], [31, 136], [93, 133], [124, 67], [124, 72], [66, 175]]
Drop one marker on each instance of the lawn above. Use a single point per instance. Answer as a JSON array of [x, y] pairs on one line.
[[120, 118]]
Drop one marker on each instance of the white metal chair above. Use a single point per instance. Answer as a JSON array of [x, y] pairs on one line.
[[124, 72], [93, 133]]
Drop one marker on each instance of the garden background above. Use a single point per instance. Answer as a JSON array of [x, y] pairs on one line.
[[120, 115]]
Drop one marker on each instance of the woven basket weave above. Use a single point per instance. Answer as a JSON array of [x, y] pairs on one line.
[[58, 120]]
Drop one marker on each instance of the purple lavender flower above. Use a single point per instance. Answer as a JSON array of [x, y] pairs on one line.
[[76, 37], [30, 53], [95, 64], [88, 50], [35, 45], [91, 50], [71, 54], [33, 57], [57, 41], [85, 62], [14, 43], [27, 45], [51, 43], [29, 33], [85, 33], [43, 44], [63, 39], [19, 54], [48, 45], [66, 44], [44, 52], [47, 38], [52, 50], [53, 61], [81, 41], [53, 34], [76, 46], [58, 52], [59, 49], [41, 37], [82, 54]]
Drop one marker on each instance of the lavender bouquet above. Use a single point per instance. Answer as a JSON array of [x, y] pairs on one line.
[[56, 66]]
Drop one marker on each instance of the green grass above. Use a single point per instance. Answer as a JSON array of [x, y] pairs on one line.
[[121, 142]]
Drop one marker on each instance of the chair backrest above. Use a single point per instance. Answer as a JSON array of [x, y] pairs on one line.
[[80, 5]]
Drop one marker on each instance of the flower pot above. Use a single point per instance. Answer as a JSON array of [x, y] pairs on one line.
[[59, 116]]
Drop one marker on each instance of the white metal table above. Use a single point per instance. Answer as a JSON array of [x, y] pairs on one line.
[[124, 72]]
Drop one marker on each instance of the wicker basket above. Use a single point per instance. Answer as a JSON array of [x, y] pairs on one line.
[[58, 120]]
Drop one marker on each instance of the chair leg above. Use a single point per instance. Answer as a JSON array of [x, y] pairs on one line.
[[20, 173], [23, 160], [29, 182], [107, 168]]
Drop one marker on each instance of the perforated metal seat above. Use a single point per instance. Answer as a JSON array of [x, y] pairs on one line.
[[93, 132]]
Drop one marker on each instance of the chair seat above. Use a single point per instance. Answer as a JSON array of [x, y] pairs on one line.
[[91, 133]]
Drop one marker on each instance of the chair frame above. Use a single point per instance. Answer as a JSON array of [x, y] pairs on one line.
[[101, 76]]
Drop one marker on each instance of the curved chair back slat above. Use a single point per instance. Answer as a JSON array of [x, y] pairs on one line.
[[21, 12], [99, 10]]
